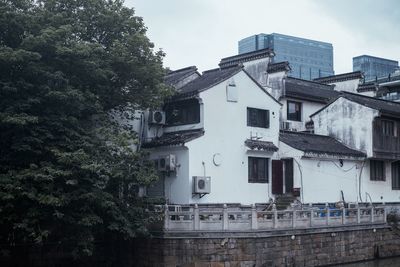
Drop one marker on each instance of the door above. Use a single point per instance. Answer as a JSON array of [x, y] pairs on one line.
[[277, 177], [288, 165]]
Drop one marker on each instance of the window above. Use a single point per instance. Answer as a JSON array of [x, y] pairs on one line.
[[377, 170], [258, 170], [294, 111], [183, 112], [258, 117], [388, 128], [396, 175]]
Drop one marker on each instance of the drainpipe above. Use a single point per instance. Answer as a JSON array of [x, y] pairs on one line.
[[359, 180], [301, 180]]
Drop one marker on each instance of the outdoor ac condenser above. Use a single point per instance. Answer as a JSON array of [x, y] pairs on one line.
[[167, 163], [201, 184], [157, 117]]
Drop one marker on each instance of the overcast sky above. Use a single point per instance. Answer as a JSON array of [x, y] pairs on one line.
[[201, 32]]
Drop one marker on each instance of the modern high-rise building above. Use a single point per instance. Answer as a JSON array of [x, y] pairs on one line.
[[374, 67], [308, 59]]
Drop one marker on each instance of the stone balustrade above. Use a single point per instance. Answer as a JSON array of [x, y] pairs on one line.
[[224, 218]]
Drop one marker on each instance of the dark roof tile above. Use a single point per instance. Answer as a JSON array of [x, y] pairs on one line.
[[367, 87], [384, 106], [173, 77], [309, 90], [260, 145], [340, 77], [235, 60], [318, 144], [209, 79], [174, 138], [279, 66]]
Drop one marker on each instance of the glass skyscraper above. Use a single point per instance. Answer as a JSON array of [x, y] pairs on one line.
[[374, 67], [308, 59]]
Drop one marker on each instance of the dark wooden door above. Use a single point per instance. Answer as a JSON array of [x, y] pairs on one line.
[[277, 177], [288, 163]]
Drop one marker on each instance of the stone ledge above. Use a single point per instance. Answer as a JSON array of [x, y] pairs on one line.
[[268, 233]]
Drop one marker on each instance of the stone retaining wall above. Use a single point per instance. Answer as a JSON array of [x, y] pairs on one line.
[[318, 247]]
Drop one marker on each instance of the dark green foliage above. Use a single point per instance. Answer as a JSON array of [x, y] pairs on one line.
[[68, 173]]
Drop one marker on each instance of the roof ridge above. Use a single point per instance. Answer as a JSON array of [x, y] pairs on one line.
[[343, 93], [220, 69], [309, 81], [182, 69], [341, 76], [306, 133]]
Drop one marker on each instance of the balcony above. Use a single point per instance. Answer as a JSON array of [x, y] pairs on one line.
[[386, 139]]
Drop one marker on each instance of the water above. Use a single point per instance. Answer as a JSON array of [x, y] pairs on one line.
[[392, 262]]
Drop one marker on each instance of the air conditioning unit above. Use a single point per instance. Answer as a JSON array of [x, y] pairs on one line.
[[201, 184], [157, 117], [167, 163]]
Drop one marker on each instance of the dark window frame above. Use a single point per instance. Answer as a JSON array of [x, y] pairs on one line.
[[377, 170], [186, 112], [257, 117], [297, 116], [396, 175], [388, 127], [258, 170]]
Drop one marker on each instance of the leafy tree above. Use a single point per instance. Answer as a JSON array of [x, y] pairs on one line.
[[69, 173]]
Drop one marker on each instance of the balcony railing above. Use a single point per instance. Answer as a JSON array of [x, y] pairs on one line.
[[233, 219]]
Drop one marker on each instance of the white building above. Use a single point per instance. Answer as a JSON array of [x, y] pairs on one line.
[[225, 126], [321, 167], [220, 139], [371, 126], [347, 82]]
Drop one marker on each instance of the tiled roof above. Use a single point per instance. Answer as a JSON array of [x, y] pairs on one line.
[[277, 67], [209, 79], [367, 87], [235, 60], [318, 144], [174, 138], [173, 77], [384, 106], [340, 77], [390, 78], [309, 90], [260, 145]]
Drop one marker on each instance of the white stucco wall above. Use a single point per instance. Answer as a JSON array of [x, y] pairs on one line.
[[380, 191], [348, 86], [225, 125], [275, 83], [177, 183], [307, 109], [258, 69], [349, 122], [323, 179]]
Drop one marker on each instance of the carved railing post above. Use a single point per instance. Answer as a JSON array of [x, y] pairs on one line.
[[254, 223], [384, 213], [294, 219], [343, 215], [275, 218], [225, 218], [372, 214], [166, 218], [327, 213], [196, 218]]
